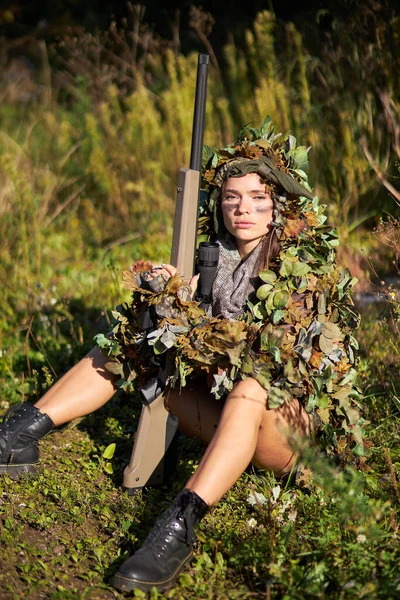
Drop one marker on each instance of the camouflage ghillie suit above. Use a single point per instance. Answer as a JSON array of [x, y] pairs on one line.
[[294, 336]]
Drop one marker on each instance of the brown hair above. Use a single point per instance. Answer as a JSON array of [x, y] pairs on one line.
[[269, 250]]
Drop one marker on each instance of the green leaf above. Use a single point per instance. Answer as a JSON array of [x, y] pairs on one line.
[[264, 377], [311, 402], [277, 316], [299, 269], [276, 353], [265, 125], [263, 291], [281, 298], [215, 159], [106, 512], [186, 580], [125, 525], [98, 552], [301, 174], [109, 451], [286, 268], [259, 311], [349, 378], [323, 401], [101, 340], [267, 276], [159, 347], [247, 365], [300, 157], [277, 396], [208, 153], [291, 252]]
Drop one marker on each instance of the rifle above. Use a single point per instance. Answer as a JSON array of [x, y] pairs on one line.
[[157, 429]]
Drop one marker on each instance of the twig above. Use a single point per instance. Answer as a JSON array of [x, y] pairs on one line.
[[64, 204], [28, 362], [23, 386], [392, 123], [200, 21], [391, 189], [42, 350], [392, 474], [119, 241]]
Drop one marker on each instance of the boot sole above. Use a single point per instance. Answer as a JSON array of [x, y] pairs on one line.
[[17, 471], [124, 584]]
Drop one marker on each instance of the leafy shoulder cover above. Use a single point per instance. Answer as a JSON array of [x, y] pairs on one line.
[[295, 336]]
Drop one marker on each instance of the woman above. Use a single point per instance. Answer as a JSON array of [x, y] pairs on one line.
[[277, 345]]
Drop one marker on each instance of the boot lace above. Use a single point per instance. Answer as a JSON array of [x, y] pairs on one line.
[[7, 418], [165, 526]]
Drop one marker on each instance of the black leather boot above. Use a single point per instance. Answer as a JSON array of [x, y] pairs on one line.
[[19, 436], [167, 548]]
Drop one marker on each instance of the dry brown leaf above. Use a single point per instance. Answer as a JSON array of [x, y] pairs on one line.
[[294, 227]]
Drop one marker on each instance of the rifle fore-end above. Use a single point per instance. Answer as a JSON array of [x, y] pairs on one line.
[[185, 223], [154, 437]]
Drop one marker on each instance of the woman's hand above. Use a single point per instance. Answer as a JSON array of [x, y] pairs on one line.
[[164, 269], [169, 271]]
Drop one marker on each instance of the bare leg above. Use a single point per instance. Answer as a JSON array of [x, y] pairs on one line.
[[247, 431], [82, 390]]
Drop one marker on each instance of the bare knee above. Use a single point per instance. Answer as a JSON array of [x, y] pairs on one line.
[[279, 429], [249, 391], [250, 388]]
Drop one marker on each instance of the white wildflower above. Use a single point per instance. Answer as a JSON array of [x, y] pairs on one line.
[[292, 515], [276, 492], [361, 538], [256, 498], [252, 522]]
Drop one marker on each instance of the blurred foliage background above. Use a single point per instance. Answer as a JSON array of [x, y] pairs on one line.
[[94, 126]]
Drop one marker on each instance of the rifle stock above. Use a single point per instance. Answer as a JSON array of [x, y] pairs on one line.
[[149, 464]]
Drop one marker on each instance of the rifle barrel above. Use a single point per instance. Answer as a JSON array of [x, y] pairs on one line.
[[196, 151]]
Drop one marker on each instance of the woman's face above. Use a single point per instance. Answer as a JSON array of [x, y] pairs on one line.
[[247, 210]]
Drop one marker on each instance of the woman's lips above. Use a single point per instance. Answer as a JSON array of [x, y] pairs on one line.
[[244, 225]]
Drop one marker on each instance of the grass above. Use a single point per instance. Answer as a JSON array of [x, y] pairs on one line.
[[335, 534]]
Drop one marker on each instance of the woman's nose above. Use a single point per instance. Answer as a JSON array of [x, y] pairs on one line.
[[245, 205]]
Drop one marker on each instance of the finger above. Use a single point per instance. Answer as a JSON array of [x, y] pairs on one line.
[[194, 282], [157, 271], [170, 269]]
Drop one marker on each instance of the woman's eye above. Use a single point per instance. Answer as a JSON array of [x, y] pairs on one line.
[[259, 198]]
